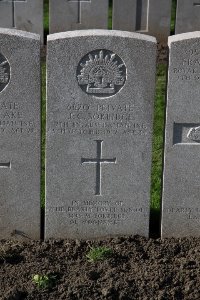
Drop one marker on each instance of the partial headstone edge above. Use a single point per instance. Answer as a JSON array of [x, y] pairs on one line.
[[20, 33], [183, 36], [100, 32]]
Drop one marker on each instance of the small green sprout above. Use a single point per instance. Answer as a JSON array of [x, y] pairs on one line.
[[44, 281], [98, 253]]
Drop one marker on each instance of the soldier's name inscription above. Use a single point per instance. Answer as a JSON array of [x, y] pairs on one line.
[[95, 119]]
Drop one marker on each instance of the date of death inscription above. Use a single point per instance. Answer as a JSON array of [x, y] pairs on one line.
[[98, 212], [14, 121], [99, 119]]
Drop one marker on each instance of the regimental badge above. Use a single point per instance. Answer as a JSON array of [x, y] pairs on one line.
[[194, 134], [4, 72], [101, 73]]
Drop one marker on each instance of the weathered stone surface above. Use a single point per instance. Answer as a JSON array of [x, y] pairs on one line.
[[78, 14], [24, 15], [6, 19], [20, 134], [150, 17], [159, 19], [187, 16], [99, 133], [124, 15], [181, 189]]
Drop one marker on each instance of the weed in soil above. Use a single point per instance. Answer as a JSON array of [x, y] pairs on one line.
[[98, 253], [44, 281], [138, 269]]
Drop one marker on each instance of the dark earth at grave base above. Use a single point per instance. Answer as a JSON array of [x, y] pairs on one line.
[[139, 268]]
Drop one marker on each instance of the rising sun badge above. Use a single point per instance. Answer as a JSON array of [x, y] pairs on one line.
[[4, 72], [101, 73], [194, 134]]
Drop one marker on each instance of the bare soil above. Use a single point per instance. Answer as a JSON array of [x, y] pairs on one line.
[[162, 53], [139, 268]]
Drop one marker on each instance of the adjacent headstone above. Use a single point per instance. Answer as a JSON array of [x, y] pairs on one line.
[[181, 188], [124, 15], [20, 135], [78, 14], [187, 16], [146, 16], [24, 15], [159, 19], [99, 133]]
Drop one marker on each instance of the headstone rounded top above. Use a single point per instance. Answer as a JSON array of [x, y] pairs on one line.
[[20, 33], [183, 36], [100, 32]]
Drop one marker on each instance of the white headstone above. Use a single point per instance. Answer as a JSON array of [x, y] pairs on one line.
[[159, 19], [20, 134], [146, 16], [6, 17], [26, 15], [181, 188], [124, 15], [187, 16], [78, 14], [99, 133]]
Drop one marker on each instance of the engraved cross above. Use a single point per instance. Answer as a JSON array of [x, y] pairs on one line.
[[98, 161], [79, 3], [13, 9]]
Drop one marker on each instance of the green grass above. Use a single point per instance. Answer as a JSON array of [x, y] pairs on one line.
[[44, 281], [158, 132], [46, 17], [173, 16], [110, 15], [98, 253]]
